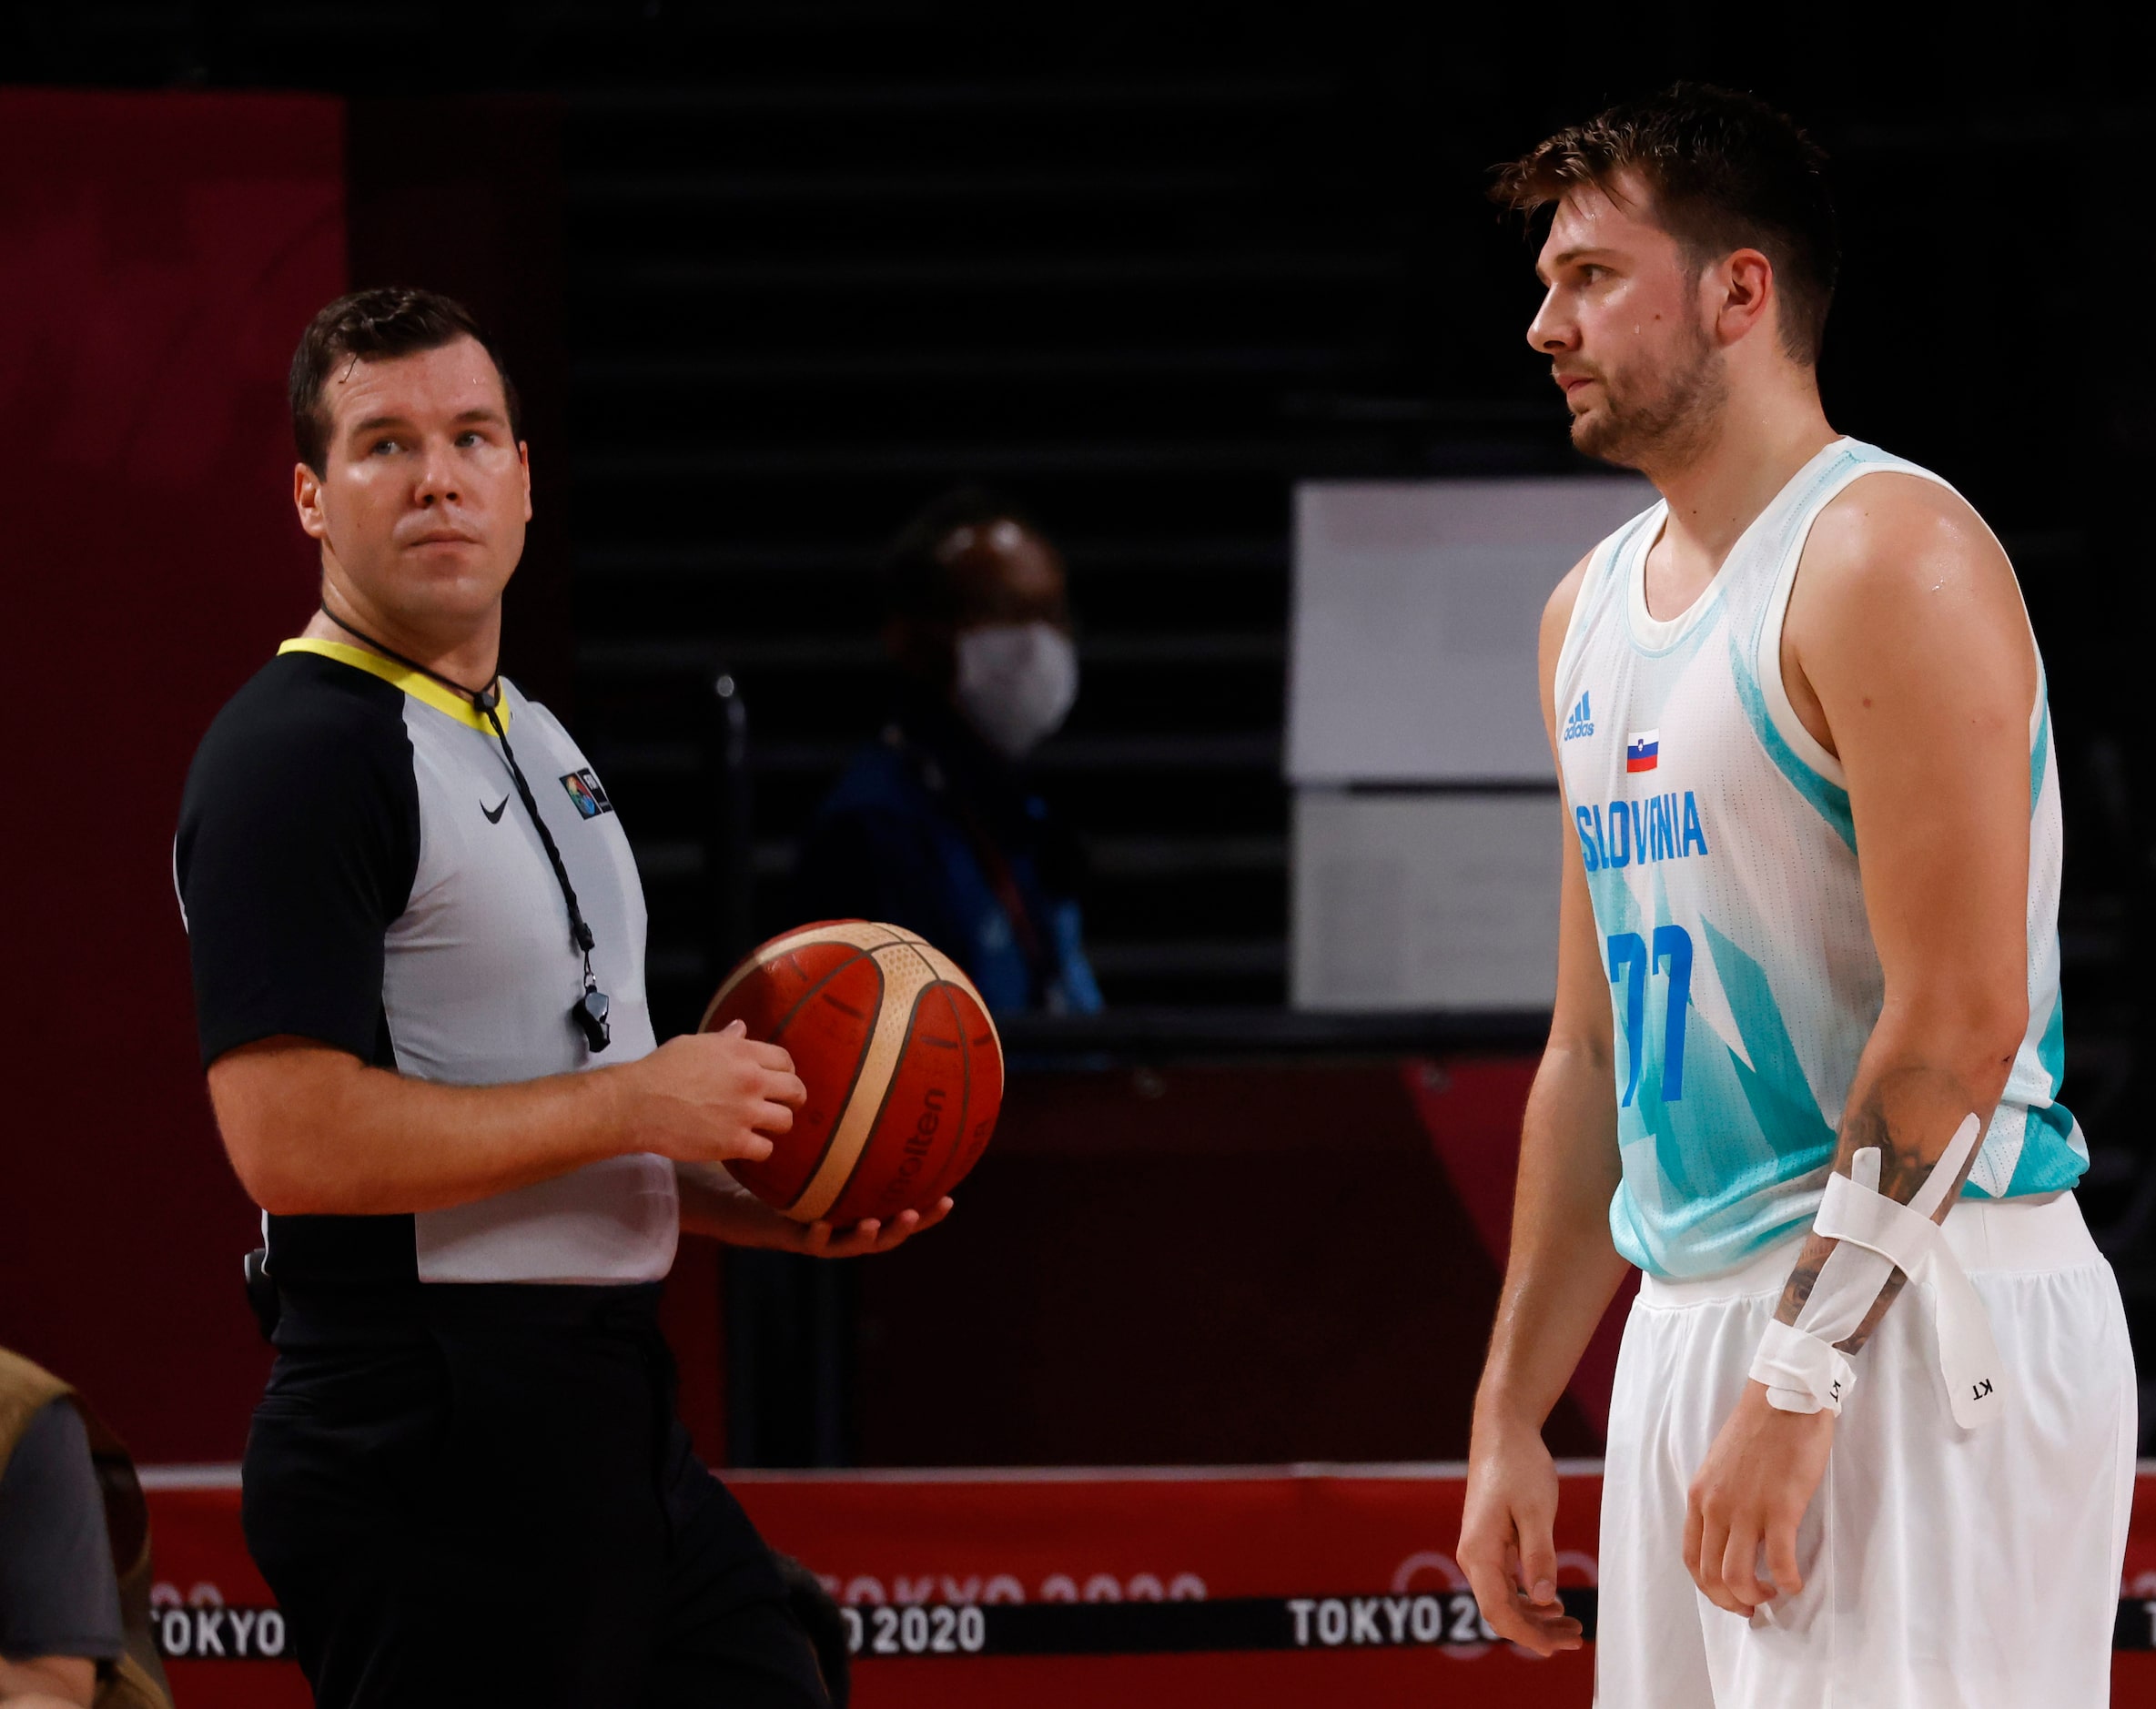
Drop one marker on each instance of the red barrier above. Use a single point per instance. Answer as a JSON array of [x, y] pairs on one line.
[[994, 1540]]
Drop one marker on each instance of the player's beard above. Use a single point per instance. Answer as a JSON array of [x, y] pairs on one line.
[[1664, 419]]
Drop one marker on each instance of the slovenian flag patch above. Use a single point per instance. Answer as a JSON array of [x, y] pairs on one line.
[[1641, 748]]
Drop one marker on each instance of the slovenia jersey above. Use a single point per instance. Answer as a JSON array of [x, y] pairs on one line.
[[1722, 860]]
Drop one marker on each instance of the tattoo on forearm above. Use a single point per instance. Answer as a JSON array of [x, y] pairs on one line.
[[1908, 1143]]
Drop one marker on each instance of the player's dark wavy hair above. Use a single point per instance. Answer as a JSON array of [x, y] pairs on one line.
[[372, 326], [1726, 170]]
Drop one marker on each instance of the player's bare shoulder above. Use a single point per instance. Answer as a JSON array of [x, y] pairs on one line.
[[1894, 547], [1903, 592]]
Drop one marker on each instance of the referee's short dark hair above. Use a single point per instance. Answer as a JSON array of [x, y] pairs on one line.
[[1726, 172], [372, 326]]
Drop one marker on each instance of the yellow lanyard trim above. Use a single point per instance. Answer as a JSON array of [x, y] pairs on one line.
[[421, 688]]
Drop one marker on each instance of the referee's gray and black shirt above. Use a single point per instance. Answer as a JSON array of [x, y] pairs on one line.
[[355, 868]]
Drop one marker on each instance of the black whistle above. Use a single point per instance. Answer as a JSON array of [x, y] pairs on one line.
[[589, 1013]]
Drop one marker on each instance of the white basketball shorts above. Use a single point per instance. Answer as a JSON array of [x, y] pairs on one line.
[[1943, 1568]]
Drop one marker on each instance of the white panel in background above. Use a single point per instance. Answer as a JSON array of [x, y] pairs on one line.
[[1438, 900], [1416, 606]]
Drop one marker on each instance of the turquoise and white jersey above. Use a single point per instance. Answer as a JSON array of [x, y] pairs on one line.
[[1722, 860]]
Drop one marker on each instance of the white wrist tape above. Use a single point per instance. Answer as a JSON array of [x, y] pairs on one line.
[[1802, 1366], [1802, 1373]]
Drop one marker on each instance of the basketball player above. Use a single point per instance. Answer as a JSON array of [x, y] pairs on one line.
[[417, 943], [1808, 936]]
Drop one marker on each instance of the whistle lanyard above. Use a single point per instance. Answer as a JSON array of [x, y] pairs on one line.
[[590, 1011]]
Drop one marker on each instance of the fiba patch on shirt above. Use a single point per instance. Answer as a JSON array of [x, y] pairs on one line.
[[585, 789]]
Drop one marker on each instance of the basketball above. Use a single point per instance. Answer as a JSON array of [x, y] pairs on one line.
[[903, 1067]]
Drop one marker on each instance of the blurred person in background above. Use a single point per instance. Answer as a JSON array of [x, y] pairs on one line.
[[74, 1555], [935, 826]]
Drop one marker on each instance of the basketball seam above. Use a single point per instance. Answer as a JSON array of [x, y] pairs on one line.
[[958, 1149], [948, 973], [758, 957], [939, 982], [788, 1018], [951, 973], [815, 1180], [883, 1103], [853, 1080]]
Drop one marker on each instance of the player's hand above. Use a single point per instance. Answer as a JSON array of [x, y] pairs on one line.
[[708, 1098], [1506, 1537], [1759, 1476]]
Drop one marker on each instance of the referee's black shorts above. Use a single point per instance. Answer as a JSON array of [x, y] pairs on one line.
[[479, 1494]]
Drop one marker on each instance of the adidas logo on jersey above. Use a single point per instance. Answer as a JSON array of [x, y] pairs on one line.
[[1579, 722]]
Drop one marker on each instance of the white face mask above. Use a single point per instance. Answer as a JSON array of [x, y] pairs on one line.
[[1015, 683]]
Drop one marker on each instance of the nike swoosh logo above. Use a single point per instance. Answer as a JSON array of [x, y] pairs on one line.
[[494, 813]]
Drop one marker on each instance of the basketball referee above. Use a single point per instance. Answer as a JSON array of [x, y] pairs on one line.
[[417, 943]]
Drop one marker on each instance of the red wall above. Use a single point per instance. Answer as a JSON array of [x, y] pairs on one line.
[[158, 256], [1246, 1263]]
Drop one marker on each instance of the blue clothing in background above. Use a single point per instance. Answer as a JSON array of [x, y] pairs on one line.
[[931, 830]]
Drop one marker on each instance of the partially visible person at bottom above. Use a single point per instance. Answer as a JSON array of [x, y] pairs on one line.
[[818, 1613], [74, 1555], [418, 942], [936, 826]]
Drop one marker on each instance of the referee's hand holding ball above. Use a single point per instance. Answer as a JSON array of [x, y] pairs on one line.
[[713, 1098]]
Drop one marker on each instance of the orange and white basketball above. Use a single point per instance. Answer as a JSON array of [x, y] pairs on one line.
[[903, 1067]]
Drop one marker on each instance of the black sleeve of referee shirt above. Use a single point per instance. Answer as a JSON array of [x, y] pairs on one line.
[[298, 841]]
